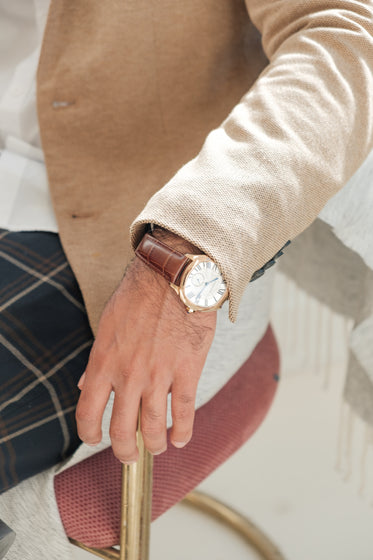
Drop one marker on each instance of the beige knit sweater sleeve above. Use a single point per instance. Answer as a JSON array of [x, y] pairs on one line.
[[291, 142]]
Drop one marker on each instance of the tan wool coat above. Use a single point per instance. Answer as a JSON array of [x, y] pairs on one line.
[[229, 122]]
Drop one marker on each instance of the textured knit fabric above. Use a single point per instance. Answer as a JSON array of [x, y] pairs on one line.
[[88, 494], [292, 142], [45, 341], [129, 92]]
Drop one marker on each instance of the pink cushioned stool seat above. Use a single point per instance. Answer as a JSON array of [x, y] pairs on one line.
[[88, 494]]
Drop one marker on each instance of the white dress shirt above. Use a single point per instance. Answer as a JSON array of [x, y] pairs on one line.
[[25, 203]]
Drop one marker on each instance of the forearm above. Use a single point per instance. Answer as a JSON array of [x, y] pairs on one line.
[[291, 143]]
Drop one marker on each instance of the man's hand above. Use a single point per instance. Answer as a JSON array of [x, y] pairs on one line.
[[146, 346]]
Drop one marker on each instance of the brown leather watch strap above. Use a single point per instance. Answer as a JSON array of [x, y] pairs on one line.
[[161, 258]]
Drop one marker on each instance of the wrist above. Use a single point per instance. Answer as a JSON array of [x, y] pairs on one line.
[[195, 278]]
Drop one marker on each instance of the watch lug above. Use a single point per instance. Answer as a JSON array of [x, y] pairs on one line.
[[175, 288]]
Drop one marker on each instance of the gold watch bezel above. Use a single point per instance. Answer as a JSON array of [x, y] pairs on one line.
[[180, 290]]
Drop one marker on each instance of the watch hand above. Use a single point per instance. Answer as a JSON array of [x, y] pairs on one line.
[[206, 284], [211, 281]]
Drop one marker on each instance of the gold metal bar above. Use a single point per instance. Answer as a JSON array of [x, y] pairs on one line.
[[131, 548], [231, 518], [147, 504], [136, 509], [124, 510], [136, 504], [239, 523], [106, 553]]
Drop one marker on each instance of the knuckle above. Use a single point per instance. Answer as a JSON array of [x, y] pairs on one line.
[[85, 416], [182, 415], [152, 432], [130, 372], [153, 422], [120, 434], [185, 399], [125, 373], [183, 410], [151, 415], [122, 382]]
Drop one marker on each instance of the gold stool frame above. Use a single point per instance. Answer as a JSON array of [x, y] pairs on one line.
[[136, 506]]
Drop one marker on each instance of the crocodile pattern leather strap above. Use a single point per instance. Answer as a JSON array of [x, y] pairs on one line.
[[161, 258]]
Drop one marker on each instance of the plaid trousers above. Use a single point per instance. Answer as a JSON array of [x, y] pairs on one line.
[[45, 340]]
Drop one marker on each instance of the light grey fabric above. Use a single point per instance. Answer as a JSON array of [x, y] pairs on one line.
[[359, 389], [350, 212], [325, 268]]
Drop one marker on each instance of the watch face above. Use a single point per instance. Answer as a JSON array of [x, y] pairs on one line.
[[204, 285]]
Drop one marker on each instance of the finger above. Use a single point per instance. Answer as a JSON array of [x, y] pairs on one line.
[[91, 405], [123, 424], [183, 396], [154, 421]]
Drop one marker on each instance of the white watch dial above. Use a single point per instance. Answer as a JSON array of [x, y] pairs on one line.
[[204, 285]]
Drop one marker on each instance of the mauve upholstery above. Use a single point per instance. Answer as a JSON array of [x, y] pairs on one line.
[[88, 494]]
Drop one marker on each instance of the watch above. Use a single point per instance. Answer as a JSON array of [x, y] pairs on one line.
[[195, 278]]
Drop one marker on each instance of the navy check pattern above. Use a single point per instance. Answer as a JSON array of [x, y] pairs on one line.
[[45, 340]]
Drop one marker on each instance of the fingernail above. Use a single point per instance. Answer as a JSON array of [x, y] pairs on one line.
[[179, 443], [159, 452], [92, 444], [81, 381], [129, 462]]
